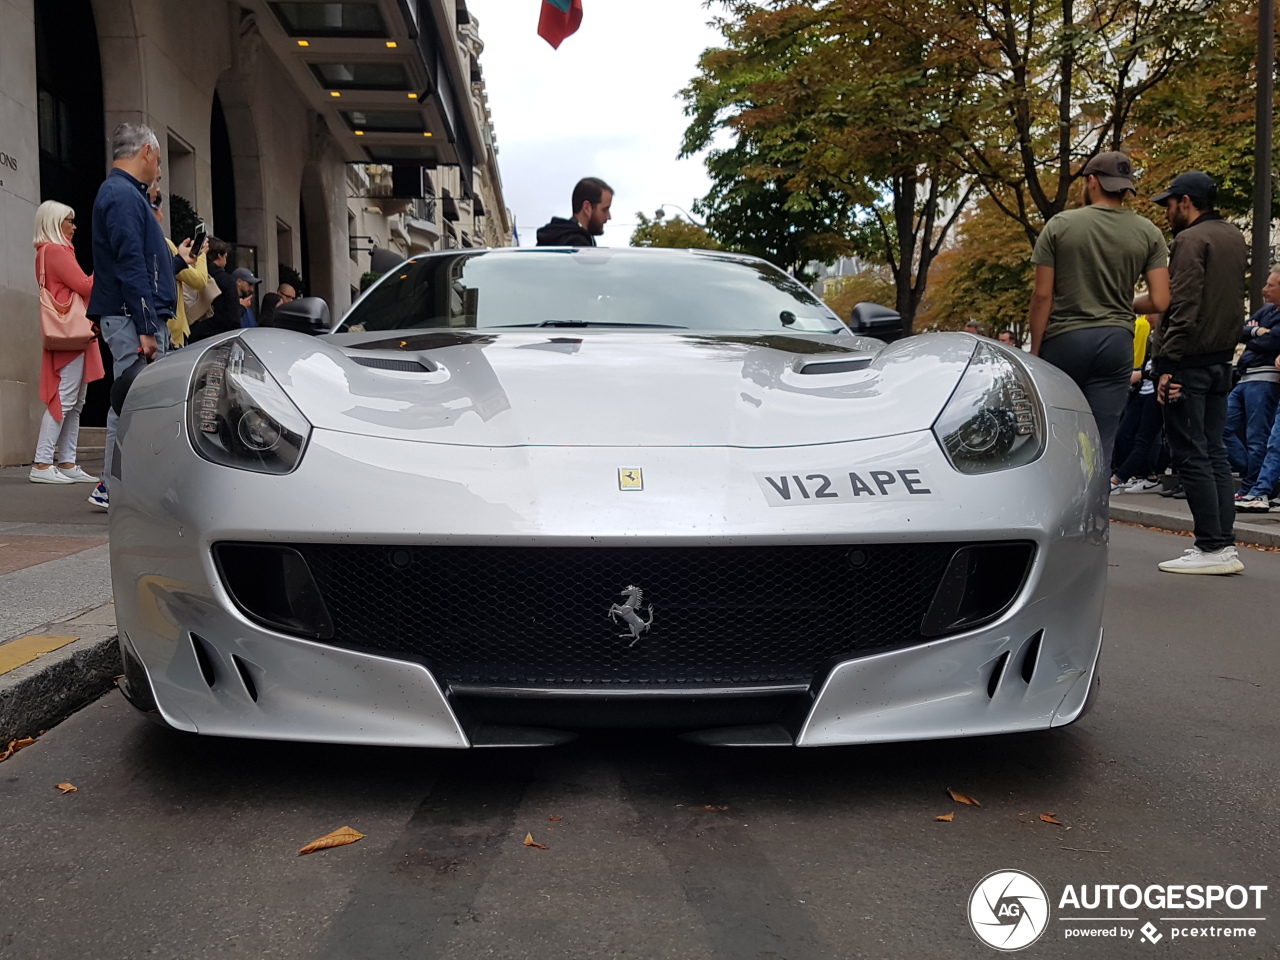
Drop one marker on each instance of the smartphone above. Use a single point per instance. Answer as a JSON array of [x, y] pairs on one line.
[[198, 240]]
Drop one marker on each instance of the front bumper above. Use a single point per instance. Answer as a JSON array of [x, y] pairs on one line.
[[209, 669]]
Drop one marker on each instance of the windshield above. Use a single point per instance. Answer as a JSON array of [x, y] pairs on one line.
[[589, 287]]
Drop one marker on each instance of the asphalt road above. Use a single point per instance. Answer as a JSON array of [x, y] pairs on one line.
[[185, 847]]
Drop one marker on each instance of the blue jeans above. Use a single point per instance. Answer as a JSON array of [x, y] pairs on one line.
[[121, 338], [1269, 474], [1251, 409]]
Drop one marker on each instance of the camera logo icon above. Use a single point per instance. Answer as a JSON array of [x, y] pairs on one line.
[[1008, 910]]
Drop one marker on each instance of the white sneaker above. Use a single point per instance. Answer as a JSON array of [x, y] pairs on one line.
[[1119, 486], [47, 475], [77, 475], [1195, 560], [1142, 485]]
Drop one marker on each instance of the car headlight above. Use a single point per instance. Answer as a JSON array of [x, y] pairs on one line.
[[994, 419], [240, 417]]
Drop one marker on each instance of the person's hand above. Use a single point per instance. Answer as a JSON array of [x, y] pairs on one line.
[[184, 251], [1135, 377], [1168, 392], [204, 248], [148, 345], [1262, 331], [246, 301]]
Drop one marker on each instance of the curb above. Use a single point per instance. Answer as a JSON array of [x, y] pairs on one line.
[[1246, 533], [55, 685]]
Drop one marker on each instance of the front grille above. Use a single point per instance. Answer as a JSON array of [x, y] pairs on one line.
[[539, 615]]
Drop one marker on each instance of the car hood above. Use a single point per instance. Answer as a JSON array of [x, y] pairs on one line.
[[570, 387]]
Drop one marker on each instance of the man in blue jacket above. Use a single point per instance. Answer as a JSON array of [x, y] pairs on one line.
[[134, 295], [1251, 408]]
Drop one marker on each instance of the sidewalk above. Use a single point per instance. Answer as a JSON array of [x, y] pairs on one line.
[[1165, 513], [57, 621]]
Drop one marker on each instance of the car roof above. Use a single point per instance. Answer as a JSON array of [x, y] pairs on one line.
[[653, 252]]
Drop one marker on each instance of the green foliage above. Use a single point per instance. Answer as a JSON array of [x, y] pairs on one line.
[[986, 276], [367, 279], [182, 218], [842, 294], [292, 277], [676, 232], [1203, 119]]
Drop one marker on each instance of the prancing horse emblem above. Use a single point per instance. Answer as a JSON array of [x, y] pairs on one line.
[[629, 612]]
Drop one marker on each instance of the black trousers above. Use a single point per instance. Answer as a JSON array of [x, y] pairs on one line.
[[1195, 428], [1099, 360]]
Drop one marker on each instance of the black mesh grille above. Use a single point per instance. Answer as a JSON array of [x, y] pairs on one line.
[[539, 615]]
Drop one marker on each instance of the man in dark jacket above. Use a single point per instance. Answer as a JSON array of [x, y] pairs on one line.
[[227, 311], [1192, 362], [592, 198], [1251, 407], [134, 295]]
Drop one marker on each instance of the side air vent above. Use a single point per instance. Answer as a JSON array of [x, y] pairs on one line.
[[836, 366], [273, 586], [997, 672], [205, 657], [981, 583], [1031, 655], [393, 363], [246, 677]]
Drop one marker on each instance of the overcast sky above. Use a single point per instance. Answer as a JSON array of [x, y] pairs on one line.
[[605, 104]]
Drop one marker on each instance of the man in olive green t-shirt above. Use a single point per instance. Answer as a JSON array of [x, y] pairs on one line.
[[1088, 262]]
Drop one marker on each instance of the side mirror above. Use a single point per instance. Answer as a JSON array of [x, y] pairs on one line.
[[305, 315], [874, 320]]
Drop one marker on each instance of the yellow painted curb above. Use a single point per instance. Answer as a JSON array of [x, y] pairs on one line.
[[15, 653]]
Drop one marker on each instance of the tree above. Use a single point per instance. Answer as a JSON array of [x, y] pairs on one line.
[[1060, 88], [985, 276], [843, 112], [676, 232], [1203, 119], [870, 286]]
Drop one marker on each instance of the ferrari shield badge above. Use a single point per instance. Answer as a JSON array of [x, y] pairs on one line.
[[629, 612], [630, 478]]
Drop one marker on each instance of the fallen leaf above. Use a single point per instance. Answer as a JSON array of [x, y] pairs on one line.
[[708, 807], [15, 746], [339, 838], [1050, 818], [67, 787], [946, 817], [555, 819], [963, 798], [530, 842], [725, 807]]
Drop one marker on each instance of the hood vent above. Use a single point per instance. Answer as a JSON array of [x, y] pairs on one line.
[[836, 366], [395, 363]]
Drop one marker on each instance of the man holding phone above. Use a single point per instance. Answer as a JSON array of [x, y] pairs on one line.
[[1194, 347]]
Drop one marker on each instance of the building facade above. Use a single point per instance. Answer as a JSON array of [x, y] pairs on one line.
[[308, 133]]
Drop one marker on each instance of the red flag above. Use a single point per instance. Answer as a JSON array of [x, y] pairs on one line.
[[559, 19]]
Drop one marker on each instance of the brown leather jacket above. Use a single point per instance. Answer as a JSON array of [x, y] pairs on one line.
[[1206, 283]]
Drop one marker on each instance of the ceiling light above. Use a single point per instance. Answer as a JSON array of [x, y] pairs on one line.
[[334, 93], [426, 133], [413, 96], [359, 133], [304, 43], [391, 44]]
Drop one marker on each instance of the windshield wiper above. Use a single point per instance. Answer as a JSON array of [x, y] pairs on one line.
[[592, 323]]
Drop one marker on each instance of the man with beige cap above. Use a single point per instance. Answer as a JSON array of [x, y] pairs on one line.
[[1088, 263]]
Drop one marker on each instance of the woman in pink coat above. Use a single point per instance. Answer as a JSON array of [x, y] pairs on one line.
[[65, 375]]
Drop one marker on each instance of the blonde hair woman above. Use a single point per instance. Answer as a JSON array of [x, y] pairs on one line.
[[65, 375]]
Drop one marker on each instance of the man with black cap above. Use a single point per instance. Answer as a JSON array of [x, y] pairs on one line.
[[1192, 357], [246, 287], [1088, 263]]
